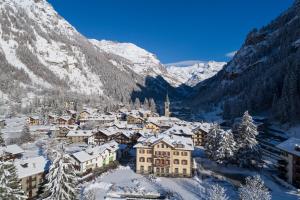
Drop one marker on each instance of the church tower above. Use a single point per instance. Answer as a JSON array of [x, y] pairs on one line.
[[167, 107]]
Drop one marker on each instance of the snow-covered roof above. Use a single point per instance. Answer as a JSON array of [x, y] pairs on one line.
[[31, 166], [203, 126], [35, 117], [291, 145], [109, 131], [76, 133], [94, 152], [13, 149], [179, 130], [175, 141], [65, 117]]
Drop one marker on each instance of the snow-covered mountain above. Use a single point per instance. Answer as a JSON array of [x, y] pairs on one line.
[[141, 61], [263, 76], [193, 72], [41, 53]]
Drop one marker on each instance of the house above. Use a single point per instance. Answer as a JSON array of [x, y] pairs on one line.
[[63, 130], [184, 131], [134, 117], [65, 120], [124, 137], [164, 155], [52, 119], [95, 157], [31, 173], [152, 127], [289, 164], [10, 152], [33, 120], [80, 136], [103, 135], [199, 133]]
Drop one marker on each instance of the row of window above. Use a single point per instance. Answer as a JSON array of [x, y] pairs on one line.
[[142, 151], [163, 170], [177, 153], [163, 153], [163, 162]]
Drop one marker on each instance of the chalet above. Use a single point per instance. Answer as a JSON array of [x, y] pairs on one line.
[[134, 119], [164, 155], [41, 129], [63, 130], [33, 120], [103, 135], [31, 173], [199, 133], [11, 152], [183, 131], [95, 157], [289, 164], [52, 119], [152, 127], [81, 136], [124, 137], [66, 120]]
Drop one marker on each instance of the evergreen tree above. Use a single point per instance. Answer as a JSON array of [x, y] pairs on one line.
[[152, 105], [254, 189], [137, 103], [2, 141], [61, 179], [226, 147], [26, 136], [249, 152], [10, 187], [211, 141], [146, 104], [216, 192]]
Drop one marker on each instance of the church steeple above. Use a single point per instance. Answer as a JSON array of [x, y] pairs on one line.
[[167, 106]]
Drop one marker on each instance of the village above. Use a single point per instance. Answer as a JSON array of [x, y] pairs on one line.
[[144, 149]]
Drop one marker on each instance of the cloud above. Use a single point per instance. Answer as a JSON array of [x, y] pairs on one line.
[[231, 54], [185, 63]]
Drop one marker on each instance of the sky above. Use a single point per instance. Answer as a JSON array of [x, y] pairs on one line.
[[174, 30]]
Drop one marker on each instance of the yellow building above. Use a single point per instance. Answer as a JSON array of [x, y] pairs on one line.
[[152, 127], [165, 155]]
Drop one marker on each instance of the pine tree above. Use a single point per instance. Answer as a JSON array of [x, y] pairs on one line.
[[26, 136], [226, 147], [10, 187], [61, 179], [211, 141], [254, 189], [2, 141], [249, 152], [152, 105], [137, 103], [216, 192]]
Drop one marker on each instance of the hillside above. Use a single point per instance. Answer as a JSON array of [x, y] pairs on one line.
[[263, 76]]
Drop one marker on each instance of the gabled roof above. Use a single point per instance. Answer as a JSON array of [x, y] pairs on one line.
[[31, 166]]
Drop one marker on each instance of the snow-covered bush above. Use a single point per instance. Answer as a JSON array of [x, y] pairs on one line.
[[216, 192], [254, 189]]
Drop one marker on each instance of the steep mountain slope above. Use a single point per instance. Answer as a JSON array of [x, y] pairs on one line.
[[193, 72], [42, 54], [141, 61], [263, 76]]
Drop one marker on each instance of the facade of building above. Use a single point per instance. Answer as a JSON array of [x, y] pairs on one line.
[[31, 173], [95, 157], [289, 164], [164, 155], [81, 136]]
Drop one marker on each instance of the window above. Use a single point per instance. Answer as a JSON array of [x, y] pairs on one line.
[[149, 151], [142, 168], [168, 153], [149, 168], [184, 171], [184, 153], [184, 162], [162, 146], [157, 169], [176, 170], [176, 161], [157, 146], [149, 160], [167, 162], [162, 162], [167, 170], [142, 159], [162, 170], [174, 153], [157, 161]]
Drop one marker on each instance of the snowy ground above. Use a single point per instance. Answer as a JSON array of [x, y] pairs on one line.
[[14, 127], [125, 180]]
